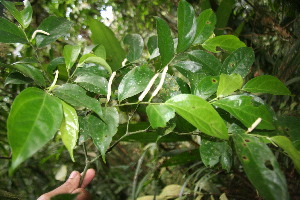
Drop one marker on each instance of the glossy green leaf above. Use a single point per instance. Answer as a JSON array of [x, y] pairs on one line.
[[229, 84], [223, 13], [71, 53], [165, 41], [181, 157], [261, 167], [17, 78], [239, 62], [188, 67], [247, 109], [92, 83], [31, 72], [206, 22], [152, 44], [76, 96], [186, 25], [134, 82], [214, 152], [210, 64], [101, 132], [92, 69], [159, 115], [266, 84], [288, 147], [101, 34], [199, 113], [10, 33], [56, 26], [24, 16], [54, 64], [91, 58], [226, 42], [100, 51], [206, 87], [69, 128], [34, 118], [135, 44]]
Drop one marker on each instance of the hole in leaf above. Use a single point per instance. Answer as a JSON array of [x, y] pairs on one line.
[[247, 140], [269, 165], [244, 157], [208, 22]]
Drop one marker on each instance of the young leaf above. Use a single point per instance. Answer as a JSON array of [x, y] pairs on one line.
[[69, 128], [23, 17], [92, 83], [159, 115], [210, 64], [31, 72], [165, 41], [199, 113], [206, 86], [247, 109], [135, 44], [56, 26], [76, 96], [261, 167], [186, 25], [229, 84], [266, 84], [10, 33], [205, 26], [227, 42], [34, 118], [71, 54], [91, 58], [239, 62], [134, 82], [102, 132]]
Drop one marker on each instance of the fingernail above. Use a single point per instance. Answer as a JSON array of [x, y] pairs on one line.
[[73, 174]]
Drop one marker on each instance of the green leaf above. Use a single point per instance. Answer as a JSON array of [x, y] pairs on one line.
[[92, 83], [34, 118], [214, 152], [165, 41], [91, 58], [71, 53], [56, 26], [101, 34], [159, 115], [24, 16], [210, 64], [100, 51], [31, 72], [10, 33], [247, 109], [54, 64], [76, 96], [199, 113], [181, 157], [206, 86], [286, 144], [239, 62], [152, 44], [102, 132], [186, 25], [64, 197], [261, 167], [226, 42], [223, 13], [229, 84], [69, 128], [134, 82], [91, 69], [205, 26], [17, 78], [135, 44], [266, 84]]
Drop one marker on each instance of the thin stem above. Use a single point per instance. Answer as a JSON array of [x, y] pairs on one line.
[[87, 164], [136, 103]]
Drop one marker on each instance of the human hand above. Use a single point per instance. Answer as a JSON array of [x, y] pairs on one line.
[[71, 186]]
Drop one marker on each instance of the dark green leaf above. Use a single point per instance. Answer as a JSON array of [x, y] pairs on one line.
[[261, 167], [65, 197], [17, 78], [54, 64], [91, 58], [34, 118], [134, 82], [223, 13], [186, 25], [31, 72], [206, 87], [71, 54], [199, 113], [92, 69], [159, 115], [205, 26], [135, 44], [247, 109], [229, 84], [152, 44], [165, 41], [56, 26], [10, 33], [226, 42], [266, 84], [92, 83], [181, 157], [76, 96]]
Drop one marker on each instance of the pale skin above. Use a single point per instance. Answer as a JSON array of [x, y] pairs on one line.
[[71, 186]]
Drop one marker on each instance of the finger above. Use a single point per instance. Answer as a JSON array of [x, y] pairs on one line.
[[83, 194], [89, 176]]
